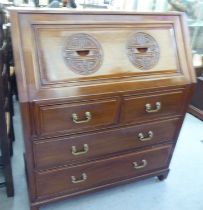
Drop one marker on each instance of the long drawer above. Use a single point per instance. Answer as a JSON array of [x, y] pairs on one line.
[[49, 154], [96, 173], [55, 119], [151, 106]]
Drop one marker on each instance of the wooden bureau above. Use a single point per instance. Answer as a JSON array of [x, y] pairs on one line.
[[103, 96]]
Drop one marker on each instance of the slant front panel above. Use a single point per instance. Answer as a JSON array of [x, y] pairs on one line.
[[69, 52]]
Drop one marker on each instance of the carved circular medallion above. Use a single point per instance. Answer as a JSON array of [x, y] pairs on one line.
[[143, 51], [83, 54]]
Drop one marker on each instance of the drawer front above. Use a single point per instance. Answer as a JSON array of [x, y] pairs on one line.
[[69, 180], [66, 118], [142, 108], [86, 147]]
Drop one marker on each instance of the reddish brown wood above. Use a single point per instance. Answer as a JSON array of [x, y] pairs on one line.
[[56, 152], [53, 119], [196, 104], [115, 94], [195, 111], [163, 176], [134, 107], [49, 200], [101, 172]]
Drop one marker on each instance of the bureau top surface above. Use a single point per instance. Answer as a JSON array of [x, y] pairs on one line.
[[88, 11], [67, 53]]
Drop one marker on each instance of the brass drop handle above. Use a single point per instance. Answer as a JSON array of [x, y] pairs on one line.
[[145, 138], [88, 117], [74, 180], [148, 107], [85, 150], [137, 166]]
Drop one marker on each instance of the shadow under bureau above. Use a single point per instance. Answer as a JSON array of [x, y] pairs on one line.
[[103, 96]]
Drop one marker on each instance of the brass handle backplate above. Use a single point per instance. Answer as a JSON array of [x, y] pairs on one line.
[[149, 109], [145, 138], [137, 166], [74, 180], [85, 150], [88, 117]]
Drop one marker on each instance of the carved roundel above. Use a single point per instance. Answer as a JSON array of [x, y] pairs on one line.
[[83, 54], [143, 51]]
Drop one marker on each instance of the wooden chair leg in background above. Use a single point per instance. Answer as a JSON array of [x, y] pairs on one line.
[[6, 157]]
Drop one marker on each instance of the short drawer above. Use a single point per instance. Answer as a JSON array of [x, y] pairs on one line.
[[151, 106], [48, 154], [56, 119], [75, 179]]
